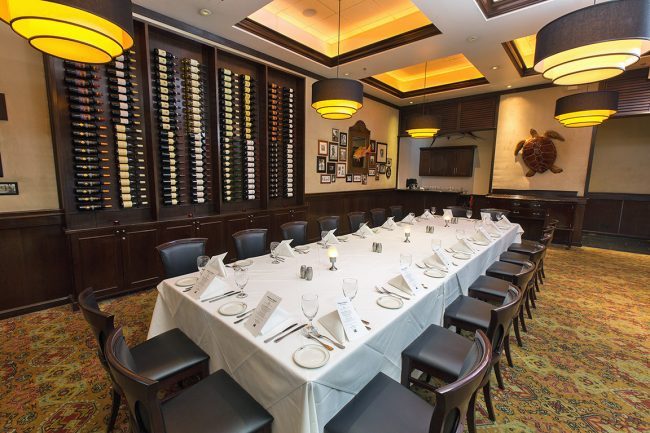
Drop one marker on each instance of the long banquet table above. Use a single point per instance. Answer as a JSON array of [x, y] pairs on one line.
[[303, 400]]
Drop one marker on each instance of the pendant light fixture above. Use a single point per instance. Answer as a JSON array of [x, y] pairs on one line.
[[594, 43], [423, 125], [88, 31], [337, 98], [586, 109]]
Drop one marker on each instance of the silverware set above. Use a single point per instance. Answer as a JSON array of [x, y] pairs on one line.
[[245, 315], [389, 293], [222, 296]]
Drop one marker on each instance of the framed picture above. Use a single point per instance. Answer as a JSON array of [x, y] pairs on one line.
[[377, 176], [341, 168], [334, 152], [321, 164], [382, 152], [348, 178], [388, 172], [325, 178], [356, 178], [372, 160], [364, 179], [381, 168], [343, 139], [322, 147], [389, 162], [331, 168], [8, 188], [373, 146], [335, 135], [333, 178], [372, 172], [343, 153]]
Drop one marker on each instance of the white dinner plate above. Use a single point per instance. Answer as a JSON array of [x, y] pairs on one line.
[[342, 238], [462, 256], [434, 273], [302, 247], [311, 356], [390, 302], [232, 308], [243, 263], [186, 282]]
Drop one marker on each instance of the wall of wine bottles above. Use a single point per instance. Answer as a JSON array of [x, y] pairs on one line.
[[174, 128]]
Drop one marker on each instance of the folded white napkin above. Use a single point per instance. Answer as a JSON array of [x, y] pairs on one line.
[[284, 249], [408, 219], [462, 247], [399, 283], [278, 317], [503, 223], [216, 287], [426, 214], [332, 322], [447, 213], [216, 265], [436, 261], [479, 236], [330, 238], [491, 228], [365, 231], [390, 223], [486, 216]]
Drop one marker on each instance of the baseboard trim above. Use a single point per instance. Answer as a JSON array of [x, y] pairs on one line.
[[19, 311]]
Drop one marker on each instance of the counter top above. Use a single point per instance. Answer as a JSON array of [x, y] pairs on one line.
[[428, 190], [558, 199]]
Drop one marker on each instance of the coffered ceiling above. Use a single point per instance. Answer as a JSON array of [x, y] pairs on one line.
[[463, 36]]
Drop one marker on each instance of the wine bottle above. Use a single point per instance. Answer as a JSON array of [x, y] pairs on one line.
[[85, 108], [83, 100], [123, 98], [121, 73], [85, 74], [121, 82]]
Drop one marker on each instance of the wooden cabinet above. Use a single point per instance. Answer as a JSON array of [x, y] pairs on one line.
[[285, 216], [453, 161]]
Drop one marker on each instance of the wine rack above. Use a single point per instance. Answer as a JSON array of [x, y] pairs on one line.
[[125, 102], [282, 136], [239, 161]]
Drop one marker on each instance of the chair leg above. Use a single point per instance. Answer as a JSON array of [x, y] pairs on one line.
[[487, 395], [515, 322], [533, 298], [506, 347], [406, 371], [536, 285], [543, 273], [522, 320], [497, 372], [117, 399], [471, 420], [527, 303]]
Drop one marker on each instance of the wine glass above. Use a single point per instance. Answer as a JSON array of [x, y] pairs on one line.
[[405, 261], [468, 213], [272, 247], [433, 210], [436, 244], [350, 287], [241, 279], [202, 262], [309, 304], [322, 236]]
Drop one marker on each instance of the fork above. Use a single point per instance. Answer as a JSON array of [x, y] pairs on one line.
[[308, 335], [319, 335], [389, 293]]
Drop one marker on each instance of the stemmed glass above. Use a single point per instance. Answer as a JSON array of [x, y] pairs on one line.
[[405, 261], [309, 304], [350, 287], [241, 279], [433, 210], [322, 236], [468, 213], [202, 262], [273, 246]]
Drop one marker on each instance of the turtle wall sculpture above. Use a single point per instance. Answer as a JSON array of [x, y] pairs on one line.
[[539, 152]]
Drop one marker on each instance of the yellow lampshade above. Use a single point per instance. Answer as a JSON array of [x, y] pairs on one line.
[[337, 98], [91, 31], [586, 109], [422, 126], [594, 43]]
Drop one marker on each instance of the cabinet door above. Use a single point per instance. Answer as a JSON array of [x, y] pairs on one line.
[[214, 231], [142, 266], [233, 225], [97, 262], [177, 230], [425, 162], [279, 217], [260, 221], [440, 163], [463, 162]]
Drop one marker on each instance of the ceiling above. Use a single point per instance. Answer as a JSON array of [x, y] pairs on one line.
[[464, 31]]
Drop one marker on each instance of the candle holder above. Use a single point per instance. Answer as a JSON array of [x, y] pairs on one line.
[[446, 222], [333, 262], [333, 254], [406, 237]]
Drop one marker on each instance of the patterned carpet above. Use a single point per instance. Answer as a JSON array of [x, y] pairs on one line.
[[584, 366]]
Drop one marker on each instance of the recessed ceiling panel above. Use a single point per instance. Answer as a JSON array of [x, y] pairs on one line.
[[522, 54]]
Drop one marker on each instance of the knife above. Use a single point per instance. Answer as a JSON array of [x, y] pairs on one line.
[[224, 296], [284, 330], [290, 332], [243, 318], [244, 313], [218, 296]]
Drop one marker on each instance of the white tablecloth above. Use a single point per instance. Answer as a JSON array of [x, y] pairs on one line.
[[302, 400]]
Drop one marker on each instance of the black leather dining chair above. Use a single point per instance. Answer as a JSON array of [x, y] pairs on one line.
[[355, 219], [458, 211], [441, 353], [378, 216], [296, 230], [179, 257], [168, 358], [328, 223], [250, 243], [216, 404], [495, 214], [385, 406], [397, 212]]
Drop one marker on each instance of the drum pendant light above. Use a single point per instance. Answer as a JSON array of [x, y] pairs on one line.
[[423, 125], [586, 109], [594, 43], [337, 98], [88, 31]]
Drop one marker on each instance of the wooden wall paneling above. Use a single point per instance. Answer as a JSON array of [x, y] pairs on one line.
[[177, 229], [142, 266], [213, 229], [603, 215], [477, 114], [633, 89], [634, 218], [98, 261]]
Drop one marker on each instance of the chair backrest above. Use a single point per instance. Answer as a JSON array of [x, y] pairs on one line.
[[101, 324], [496, 214], [458, 211], [378, 216], [501, 319], [397, 212], [452, 400], [179, 257], [296, 230], [356, 219], [328, 223], [140, 392], [250, 243]]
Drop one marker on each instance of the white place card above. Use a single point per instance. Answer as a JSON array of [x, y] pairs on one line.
[[263, 312], [209, 284], [442, 254], [352, 324], [217, 266], [411, 280], [284, 249]]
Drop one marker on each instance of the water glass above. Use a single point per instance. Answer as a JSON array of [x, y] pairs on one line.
[[468, 213], [350, 287], [436, 244], [405, 261], [202, 262], [433, 210], [309, 304], [241, 279]]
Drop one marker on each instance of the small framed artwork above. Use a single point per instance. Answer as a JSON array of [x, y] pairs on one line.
[[331, 168], [377, 176], [372, 172], [322, 147], [343, 139], [334, 152], [381, 168], [343, 153], [373, 146], [388, 172], [364, 179], [372, 160], [341, 168], [325, 178], [8, 188], [335, 135], [389, 161], [321, 164], [382, 152], [356, 178], [348, 178], [333, 178]]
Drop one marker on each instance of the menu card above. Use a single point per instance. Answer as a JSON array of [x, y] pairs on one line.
[[216, 265], [350, 319], [412, 281], [263, 312], [284, 249], [208, 285], [443, 256]]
